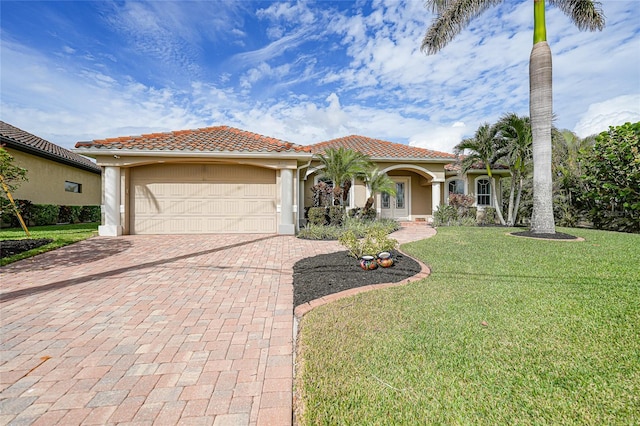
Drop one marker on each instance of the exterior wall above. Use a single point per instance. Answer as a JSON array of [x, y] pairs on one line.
[[421, 199], [46, 182]]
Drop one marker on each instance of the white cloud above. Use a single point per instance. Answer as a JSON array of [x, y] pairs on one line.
[[612, 112], [440, 138]]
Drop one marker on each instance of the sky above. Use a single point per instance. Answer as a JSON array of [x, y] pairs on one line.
[[303, 72]]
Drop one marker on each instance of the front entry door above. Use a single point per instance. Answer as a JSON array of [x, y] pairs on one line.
[[397, 207]]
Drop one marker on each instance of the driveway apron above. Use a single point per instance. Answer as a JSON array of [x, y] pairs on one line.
[[189, 329]]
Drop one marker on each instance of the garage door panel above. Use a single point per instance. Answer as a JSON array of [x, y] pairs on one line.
[[188, 198]]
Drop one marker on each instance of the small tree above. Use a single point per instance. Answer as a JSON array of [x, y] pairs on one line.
[[377, 183], [10, 178], [341, 165], [612, 179], [483, 147], [12, 175]]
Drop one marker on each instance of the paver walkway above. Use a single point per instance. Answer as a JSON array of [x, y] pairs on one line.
[[141, 330]]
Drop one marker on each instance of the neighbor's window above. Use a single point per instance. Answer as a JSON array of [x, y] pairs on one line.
[[72, 187], [456, 186], [483, 189]]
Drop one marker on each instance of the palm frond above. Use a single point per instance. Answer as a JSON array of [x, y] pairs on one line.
[[452, 16], [586, 14]]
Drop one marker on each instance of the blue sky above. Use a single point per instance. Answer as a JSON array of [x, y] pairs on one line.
[[301, 71]]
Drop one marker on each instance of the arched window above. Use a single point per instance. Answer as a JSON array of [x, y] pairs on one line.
[[483, 192]]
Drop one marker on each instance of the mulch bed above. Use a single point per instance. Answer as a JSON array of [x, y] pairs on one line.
[[318, 276], [556, 236], [11, 247]]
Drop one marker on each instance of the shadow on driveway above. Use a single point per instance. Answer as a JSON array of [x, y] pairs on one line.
[[67, 257]]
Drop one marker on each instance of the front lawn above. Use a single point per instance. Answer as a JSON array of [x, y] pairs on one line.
[[61, 235], [506, 330]]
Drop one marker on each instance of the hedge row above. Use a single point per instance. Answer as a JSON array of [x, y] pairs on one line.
[[47, 214]]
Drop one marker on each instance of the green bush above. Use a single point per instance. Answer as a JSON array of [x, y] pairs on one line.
[[320, 232], [375, 241], [90, 214], [445, 216], [336, 215], [69, 214], [490, 216], [45, 214], [317, 216]]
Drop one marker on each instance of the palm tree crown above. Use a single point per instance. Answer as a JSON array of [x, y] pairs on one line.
[[341, 165], [452, 16]]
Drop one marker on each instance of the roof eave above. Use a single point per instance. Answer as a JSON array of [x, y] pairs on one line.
[[18, 146], [124, 152]]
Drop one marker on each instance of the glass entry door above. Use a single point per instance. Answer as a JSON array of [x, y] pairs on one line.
[[397, 207]]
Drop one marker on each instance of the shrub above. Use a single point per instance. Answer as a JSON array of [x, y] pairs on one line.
[[25, 207], [90, 214], [489, 216], [320, 232], [369, 214], [445, 216], [336, 215], [375, 241], [69, 214], [317, 215], [45, 214]]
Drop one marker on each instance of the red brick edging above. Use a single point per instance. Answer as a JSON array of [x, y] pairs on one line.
[[301, 310]]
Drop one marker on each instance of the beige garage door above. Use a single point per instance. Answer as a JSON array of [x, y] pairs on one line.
[[202, 198]]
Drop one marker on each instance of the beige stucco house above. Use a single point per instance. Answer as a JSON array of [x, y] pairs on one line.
[[55, 175], [226, 180]]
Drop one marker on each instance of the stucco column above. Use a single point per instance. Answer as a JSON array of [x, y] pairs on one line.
[[287, 226], [435, 196], [111, 203]]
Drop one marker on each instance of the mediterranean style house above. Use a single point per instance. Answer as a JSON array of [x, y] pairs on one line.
[[226, 180], [55, 175]]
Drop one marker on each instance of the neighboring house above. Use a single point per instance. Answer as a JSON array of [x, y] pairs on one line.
[[226, 180], [55, 175]]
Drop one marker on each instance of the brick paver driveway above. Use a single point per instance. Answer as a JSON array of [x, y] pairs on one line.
[[152, 329]]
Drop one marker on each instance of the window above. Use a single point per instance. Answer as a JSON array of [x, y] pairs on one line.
[[483, 191], [72, 187], [456, 186], [386, 201], [399, 195]]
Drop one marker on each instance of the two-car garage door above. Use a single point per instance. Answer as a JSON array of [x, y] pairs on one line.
[[202, 198]]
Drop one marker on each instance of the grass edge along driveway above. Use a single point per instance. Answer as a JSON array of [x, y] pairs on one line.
[[62, 235], [505, 331]]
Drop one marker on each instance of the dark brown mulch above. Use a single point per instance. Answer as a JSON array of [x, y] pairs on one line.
[[325, 274], [11, 247], [556, 236]]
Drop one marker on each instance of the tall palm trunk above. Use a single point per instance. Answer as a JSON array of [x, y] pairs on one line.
[[496, 203], [540, 111]]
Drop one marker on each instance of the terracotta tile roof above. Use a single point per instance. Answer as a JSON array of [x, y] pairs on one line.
[[376, 148], [20, 140], [209, 139]]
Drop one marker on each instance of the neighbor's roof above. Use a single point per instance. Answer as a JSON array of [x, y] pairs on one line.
[[209, 139], [18, 139], [376, 148]]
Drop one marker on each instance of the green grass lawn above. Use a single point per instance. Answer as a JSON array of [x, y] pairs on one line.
[[505, 331], [62, 235]]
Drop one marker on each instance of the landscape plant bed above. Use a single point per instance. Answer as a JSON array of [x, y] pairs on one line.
[[556, 236], [319, 276], [12, 247]]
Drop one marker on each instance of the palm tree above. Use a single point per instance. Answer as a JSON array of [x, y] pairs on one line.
[[483, 148], [341, 165], [454, 15], [377, 183], [515, 134]]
